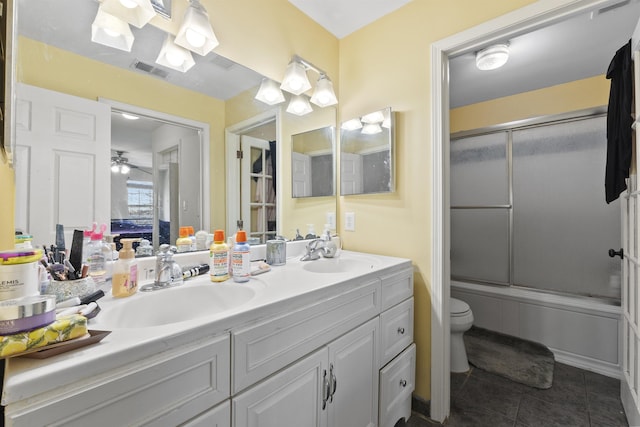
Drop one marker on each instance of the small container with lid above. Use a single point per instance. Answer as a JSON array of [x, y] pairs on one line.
[[241, 258], [183, 243], [218, 258], [23, 241], [19, 273]]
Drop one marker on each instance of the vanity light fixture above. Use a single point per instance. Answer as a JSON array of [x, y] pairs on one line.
[[299, 105], [371, 128], [175, 57], [324, 95], [352, 124], [492, 57], [196, 33], [295, 77], [111, 31], [129, 116], [269, 92], [135, 12], [375, 117], [120, 164]]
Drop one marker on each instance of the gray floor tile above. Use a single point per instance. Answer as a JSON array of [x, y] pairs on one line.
[[606, 410], [601, 384], [534, 412], [489, 393]]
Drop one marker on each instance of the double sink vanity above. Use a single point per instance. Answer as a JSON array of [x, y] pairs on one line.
[[310, 343]]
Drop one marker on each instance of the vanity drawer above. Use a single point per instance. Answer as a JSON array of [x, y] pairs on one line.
[[168, 389], [261, 350], [396, 326], [397, 382], [396, 287]]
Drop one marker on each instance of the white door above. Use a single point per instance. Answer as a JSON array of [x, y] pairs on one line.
[[630, 388], [350, 173], [291, 398], [353, 362], [63, 149], [257, 195], [301, 174]]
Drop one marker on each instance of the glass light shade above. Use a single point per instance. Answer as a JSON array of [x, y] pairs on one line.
[[269, 92], [196, 33], [110, 31], [295, 79], [375, 117], [324, 95], [115, 168], [371, 128], [174, 56], [299, 105], [124, 168], [135, 12], [129, 116], [492, 57], [352, 124]]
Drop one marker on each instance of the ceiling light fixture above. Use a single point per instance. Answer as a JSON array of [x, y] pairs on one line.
[[135, 12], [196, 33], [269, 92], [299, 105], [174, 56], [111, 31], [120, 164], [492, 57], [324, 95]]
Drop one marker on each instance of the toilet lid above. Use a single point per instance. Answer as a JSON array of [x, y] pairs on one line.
[[458, 307]]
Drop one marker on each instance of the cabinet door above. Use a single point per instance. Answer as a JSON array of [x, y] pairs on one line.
[[291, 398], [353, 362]]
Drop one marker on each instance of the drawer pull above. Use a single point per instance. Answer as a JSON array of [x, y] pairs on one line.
[[401, 330], [403, 383], [326, 389]]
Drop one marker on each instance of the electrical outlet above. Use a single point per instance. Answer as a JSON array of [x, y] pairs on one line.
[[350, 221], [331, 220]]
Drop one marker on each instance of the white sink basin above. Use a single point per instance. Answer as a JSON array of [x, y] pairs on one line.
[[182, 303], [338, 265]]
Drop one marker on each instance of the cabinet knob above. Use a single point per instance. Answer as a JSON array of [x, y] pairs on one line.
[[401, 330], [403, 383]]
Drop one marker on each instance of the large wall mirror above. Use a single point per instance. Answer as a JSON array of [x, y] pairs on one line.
[[367, 154], [56, 53], [312, 162]]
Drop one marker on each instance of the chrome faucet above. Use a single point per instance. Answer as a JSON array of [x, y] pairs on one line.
[[320, 247], [168, 272]]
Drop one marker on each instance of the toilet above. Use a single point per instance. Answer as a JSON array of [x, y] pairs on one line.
[[461, 320]]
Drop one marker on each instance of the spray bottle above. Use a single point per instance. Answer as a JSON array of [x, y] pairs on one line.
[[125, 271]]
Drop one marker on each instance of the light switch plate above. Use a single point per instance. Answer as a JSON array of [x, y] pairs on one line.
[[331, 220], [350, 221]]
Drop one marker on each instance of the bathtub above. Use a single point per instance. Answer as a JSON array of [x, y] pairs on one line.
[[581, 332]]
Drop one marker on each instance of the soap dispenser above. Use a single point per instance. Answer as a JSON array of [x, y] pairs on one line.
[[331, 248], [125, 271]]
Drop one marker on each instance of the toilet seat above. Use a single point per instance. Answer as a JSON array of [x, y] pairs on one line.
[[458, 308]]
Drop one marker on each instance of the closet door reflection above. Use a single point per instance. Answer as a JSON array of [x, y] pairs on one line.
[[258, 188]]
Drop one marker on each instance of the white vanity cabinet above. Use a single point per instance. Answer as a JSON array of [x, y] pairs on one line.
[[168, 389], [334, 386]]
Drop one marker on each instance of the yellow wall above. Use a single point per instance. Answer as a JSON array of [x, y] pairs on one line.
[[387, 64], [574, 96]]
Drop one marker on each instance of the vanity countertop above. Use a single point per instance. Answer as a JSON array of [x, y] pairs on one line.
[[277, 291]]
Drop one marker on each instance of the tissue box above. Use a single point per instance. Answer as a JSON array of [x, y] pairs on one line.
[[62, 329]]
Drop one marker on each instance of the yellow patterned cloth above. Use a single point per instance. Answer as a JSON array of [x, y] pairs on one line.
[[62, 329]]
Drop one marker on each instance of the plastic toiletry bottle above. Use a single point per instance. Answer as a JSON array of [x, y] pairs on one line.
[[183, 243], [219, 258], [240, 258], [125, 271], [201, 240], [86, 240], [97, 257], [192, 237]]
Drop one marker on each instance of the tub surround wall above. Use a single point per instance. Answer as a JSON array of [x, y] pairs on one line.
[[581, 332]]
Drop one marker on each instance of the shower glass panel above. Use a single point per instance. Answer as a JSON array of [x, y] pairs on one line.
[[479, 170], [480, 244], [562, 226]]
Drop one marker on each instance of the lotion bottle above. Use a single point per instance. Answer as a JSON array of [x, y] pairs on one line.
[[124, 282], [183, 243], [218, 258], [241, 258]]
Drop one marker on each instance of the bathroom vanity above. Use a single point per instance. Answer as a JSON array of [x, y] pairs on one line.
[[317, 343]]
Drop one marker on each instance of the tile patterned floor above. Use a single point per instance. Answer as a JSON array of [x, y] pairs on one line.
[[577, 398]]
